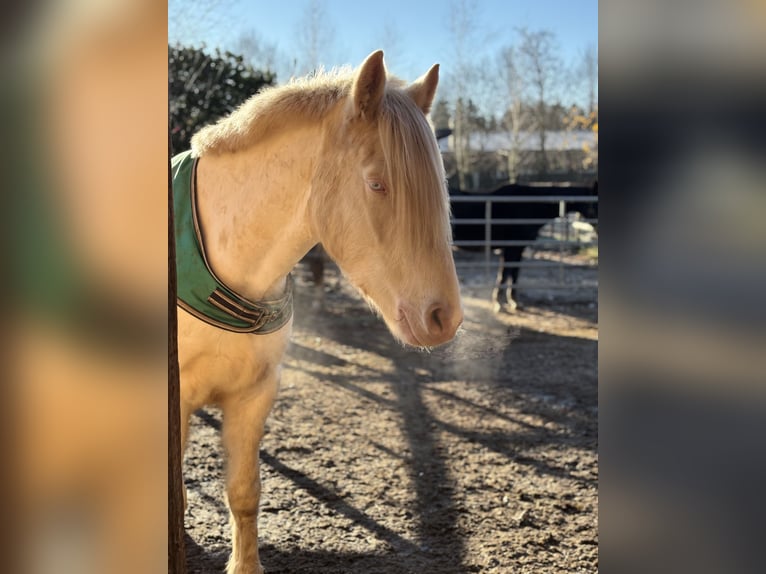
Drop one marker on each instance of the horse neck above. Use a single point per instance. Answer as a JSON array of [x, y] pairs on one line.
[[252, 209]]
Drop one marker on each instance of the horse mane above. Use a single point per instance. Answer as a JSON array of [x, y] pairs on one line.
[[302, 99], [411, 153]]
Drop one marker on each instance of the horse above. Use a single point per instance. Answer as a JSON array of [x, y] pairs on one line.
[[507, 277], [343, 158], [316, 260]]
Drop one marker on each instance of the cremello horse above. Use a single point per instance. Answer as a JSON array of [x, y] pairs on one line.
[[345, 159]]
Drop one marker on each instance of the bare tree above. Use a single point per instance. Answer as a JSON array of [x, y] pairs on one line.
[[462, 28], [440, 115], [261, 54], [189, 27], [315, 37], [512, 87], [589, 71], [388, 39], [541, 65]]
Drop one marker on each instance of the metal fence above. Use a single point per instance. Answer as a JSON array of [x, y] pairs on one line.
[[558, 242]]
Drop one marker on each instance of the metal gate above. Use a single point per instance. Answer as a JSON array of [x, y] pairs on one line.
[[560, 243]]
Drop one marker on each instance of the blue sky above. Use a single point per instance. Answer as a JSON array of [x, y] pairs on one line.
[[414, 33]]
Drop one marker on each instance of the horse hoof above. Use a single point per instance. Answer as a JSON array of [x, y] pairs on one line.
[[244, 569], [506, 308], [503, 309]]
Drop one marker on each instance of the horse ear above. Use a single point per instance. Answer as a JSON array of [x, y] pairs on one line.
[[423, 89], [369, 85]]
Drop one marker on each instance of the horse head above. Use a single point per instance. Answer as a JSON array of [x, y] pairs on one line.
[[380, 206]]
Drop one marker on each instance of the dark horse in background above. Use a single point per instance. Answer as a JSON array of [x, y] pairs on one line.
[[503, 295]]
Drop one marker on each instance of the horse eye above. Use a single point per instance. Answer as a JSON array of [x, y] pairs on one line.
[[376, 186]]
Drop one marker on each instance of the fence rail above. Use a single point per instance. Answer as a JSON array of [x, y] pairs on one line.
[[519, 243], [490, 245], [524, 198]]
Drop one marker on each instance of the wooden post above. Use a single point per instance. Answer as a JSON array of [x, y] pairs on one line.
[[176, 552]]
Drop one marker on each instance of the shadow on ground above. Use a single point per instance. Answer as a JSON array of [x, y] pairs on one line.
[[478, 457]]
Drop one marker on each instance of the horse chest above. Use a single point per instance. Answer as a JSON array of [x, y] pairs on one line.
[[216, 365]]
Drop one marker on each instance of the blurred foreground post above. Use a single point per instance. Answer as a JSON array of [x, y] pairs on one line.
[[176, 554]]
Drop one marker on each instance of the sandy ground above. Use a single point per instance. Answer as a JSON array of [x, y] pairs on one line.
[[478, 457]]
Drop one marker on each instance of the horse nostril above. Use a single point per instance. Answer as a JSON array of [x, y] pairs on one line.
[[436, 318]]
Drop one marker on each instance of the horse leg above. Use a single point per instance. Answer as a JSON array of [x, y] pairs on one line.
[[316, 264], [243, 426], [317, 269], [513, 277], [497, 292], [502, 295]]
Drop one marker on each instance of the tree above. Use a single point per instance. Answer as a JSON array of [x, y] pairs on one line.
[[541, 64], [314, 37], [206, 18], [440, 115], [477, 123], [204, 88], [590, 161], [514, 120], [555, 116], [388, 39], [578, 120], [257, 52], [462, 27], [589, 73]]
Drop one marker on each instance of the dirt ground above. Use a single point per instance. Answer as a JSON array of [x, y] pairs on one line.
[[477, 457]]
